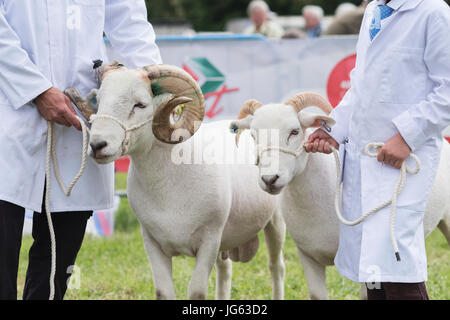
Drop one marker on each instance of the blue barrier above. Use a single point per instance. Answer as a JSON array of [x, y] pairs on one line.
[[206, 37], [212, 37]]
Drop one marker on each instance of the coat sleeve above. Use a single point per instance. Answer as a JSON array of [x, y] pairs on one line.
[[20, 79], [132, 36], [342, 114], [431, 116]]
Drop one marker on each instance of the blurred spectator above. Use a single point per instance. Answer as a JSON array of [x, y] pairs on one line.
[[294, 34], [348, 23], [313, 16], [344, 8], [258, 12]]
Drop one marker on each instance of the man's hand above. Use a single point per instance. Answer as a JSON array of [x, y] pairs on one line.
[[394, 152], [55, 106], [320, 141]]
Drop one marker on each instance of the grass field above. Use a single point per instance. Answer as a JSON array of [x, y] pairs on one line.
[[117, 268]]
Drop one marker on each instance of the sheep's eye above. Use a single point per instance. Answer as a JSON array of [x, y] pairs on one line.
[[295, 132], [139, 105]]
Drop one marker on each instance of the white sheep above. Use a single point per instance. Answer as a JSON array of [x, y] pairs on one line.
[[307, 182], [212, 212]]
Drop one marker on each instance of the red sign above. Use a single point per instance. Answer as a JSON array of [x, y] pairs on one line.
[[217, 95], [122, 164], [339, 80]]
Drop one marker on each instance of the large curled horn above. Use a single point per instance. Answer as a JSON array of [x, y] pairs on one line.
[[248, 108], [302, 100], [184, 90]]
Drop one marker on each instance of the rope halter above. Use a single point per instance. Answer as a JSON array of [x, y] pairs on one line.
[[127, 130], [260, 150]]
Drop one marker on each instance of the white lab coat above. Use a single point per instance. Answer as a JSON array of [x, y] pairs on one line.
[[401, 83], [49, 43]]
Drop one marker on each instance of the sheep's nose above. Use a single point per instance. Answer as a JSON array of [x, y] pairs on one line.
[[270, 180], [98, 146]]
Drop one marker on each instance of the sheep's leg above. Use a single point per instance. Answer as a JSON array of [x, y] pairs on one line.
[[223, 278], [315, 276], [161, 268], [444, 226], [206, 257], [363, 292], [275, 234]]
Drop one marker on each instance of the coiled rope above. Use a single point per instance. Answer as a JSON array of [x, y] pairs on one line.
[[51, 156], [372, 150]]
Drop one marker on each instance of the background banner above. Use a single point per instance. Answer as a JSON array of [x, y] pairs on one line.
[[233, 69]]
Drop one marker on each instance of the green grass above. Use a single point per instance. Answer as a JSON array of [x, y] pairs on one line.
[[117, 268]]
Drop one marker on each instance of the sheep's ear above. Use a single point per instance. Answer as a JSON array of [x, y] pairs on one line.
[[92, 99], [241, 124], [312, 120], [238, 126], [105, 68]]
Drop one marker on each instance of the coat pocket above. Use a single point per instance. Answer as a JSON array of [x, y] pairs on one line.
[[404, 78], [407, 225], [417, 187]]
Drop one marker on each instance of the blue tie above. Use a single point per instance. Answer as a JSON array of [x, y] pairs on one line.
[[381, 13]]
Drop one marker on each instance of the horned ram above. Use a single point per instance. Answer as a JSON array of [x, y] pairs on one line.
[[210, 211]]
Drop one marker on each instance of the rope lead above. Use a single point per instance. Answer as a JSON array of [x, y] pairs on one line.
[[372, 150], [51, 155]]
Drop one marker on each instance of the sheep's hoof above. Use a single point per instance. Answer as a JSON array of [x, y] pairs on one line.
[[197, 296]]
